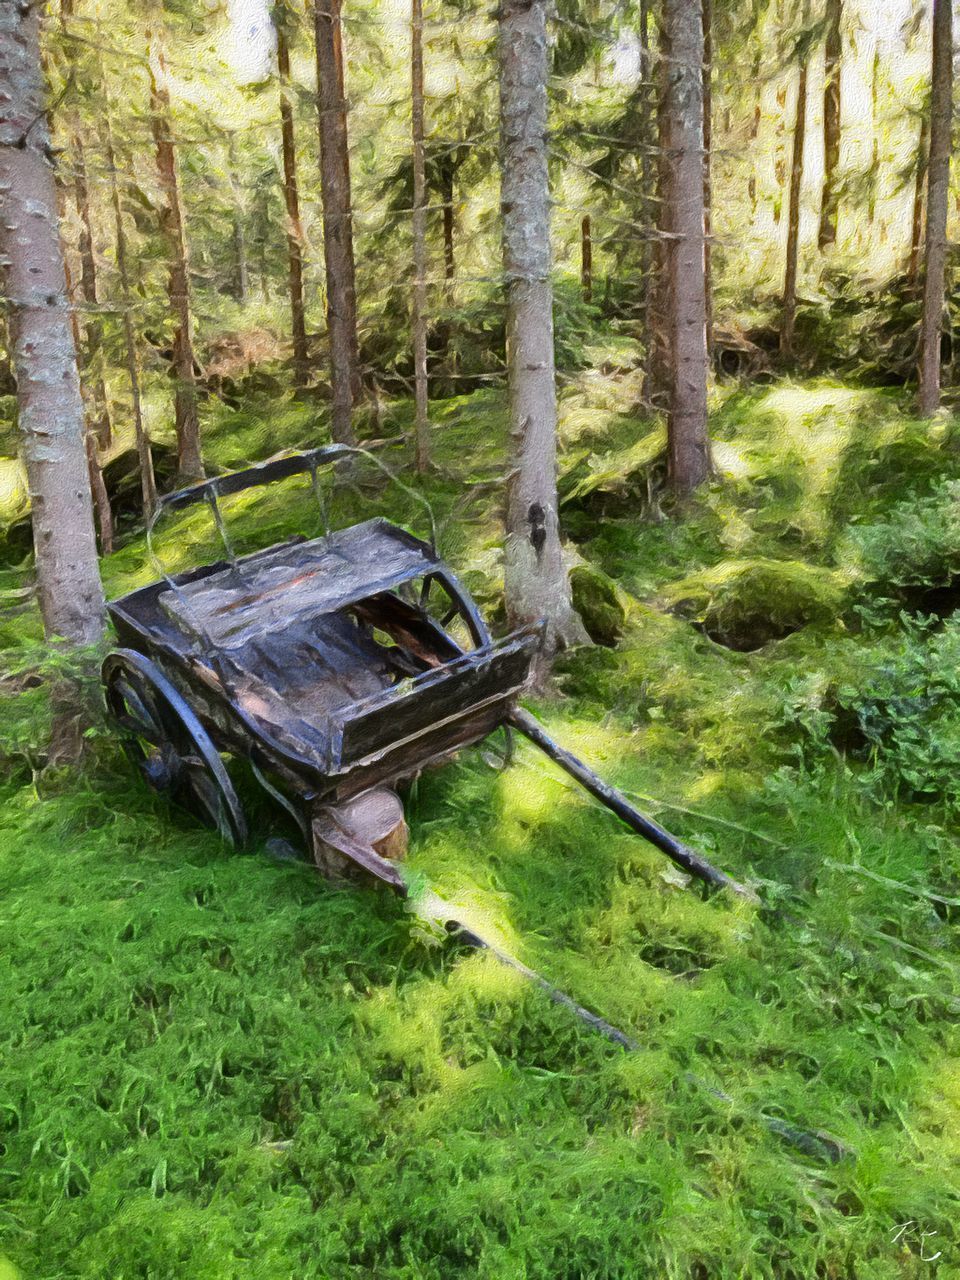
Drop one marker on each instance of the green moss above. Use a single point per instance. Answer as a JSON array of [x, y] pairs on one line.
[[746, 603], [597, 600]]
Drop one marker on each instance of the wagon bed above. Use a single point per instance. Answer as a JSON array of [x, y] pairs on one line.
[[329, 664]]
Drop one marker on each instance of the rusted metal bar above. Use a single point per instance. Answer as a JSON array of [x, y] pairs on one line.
[[617, 802]]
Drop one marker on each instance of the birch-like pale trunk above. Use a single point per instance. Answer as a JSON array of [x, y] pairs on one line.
[[688, 446], [291, 197], [938, 190], [50, 409], [420, 386], [789, 310], [536, 582], [189, 458], [337, 220], [827, 234]]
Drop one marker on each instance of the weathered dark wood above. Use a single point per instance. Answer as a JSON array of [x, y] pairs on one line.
[[300, 582], [442, 696], [618, 803]]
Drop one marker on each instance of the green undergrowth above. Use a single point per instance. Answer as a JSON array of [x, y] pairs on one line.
[[218, 1065]]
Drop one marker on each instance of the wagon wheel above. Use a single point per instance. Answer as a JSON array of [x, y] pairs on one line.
[[442, 602], [169, 745]]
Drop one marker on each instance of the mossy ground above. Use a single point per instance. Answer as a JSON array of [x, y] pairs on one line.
[[216, 1065]]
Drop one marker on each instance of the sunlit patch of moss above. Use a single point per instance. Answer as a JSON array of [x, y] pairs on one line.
[[745, 603]]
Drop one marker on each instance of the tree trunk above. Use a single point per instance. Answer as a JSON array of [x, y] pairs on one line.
[[291, 196], [586, 259], [657, 372], [649, 254], [916, 226], [148, 483], [449, 262], [421, 390], [337, 220], [831, 125], [938, 187], [707, 18], [189, 459], [875, 130], [757, 110], [789, 312], [688, 446], [88, 291], [535, 577], [98, 490], [241, 278], [50, 409]]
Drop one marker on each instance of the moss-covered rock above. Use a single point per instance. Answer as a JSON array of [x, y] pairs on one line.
[[746, 603], [597, 600]]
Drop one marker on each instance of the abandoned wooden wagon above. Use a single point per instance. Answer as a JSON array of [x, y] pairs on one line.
[[338, 667]]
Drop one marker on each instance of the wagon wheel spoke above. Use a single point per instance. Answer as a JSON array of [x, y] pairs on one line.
[[204, 793], [138, 716], [169, 744]]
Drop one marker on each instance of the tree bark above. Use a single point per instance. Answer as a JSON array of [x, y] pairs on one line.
[[50, 410], [98, 490], [148, 483], [291, 196], [649, 251], [586, 259], [535, 577], [916, 226], [875, 130], [189, 458], [757, 115], [657, 372], [421, 389], [707, 18], [831, 125], [241, 278], [92, 326], [449, 262], [688, 446], [789, 312], [337, 220], [938, 188]]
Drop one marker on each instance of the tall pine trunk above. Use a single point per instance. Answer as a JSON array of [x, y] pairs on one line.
[[98, 489], [93, 329], [421, 390], [707, 15], [241, 268], [291, 198], [92, 348], [337, 220], [189, 459], [148, 483], [50, 409], [586, 258], [688, 446], [827, 233], [938, 188], [916, 224], [789, 312], [535, 577], [657, 371]]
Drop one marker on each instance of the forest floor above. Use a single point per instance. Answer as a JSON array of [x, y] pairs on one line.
[[216, 1065]]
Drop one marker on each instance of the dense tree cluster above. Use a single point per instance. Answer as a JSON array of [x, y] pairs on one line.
[[371, 201]]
